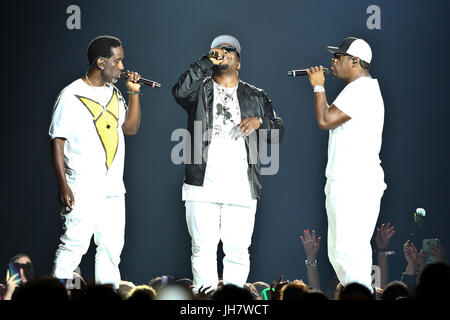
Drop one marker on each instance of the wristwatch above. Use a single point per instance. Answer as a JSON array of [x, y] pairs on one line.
[[319, 88], [260, 120], [310, 264]]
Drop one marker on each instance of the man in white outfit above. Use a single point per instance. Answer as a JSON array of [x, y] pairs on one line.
[[355, 178], [87, 129]]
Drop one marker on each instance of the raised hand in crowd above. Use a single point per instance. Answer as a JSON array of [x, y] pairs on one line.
[[311, 244], [276, 287], [12, 282], [438, 252], [382, 238], [384, 235], [411, 254]]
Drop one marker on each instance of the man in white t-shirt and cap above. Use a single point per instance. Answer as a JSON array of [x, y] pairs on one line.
[[355, 178]]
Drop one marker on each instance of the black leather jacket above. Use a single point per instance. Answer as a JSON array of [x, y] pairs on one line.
[[194, 93]]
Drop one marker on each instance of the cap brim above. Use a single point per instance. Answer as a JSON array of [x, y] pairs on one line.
[[334, 49]]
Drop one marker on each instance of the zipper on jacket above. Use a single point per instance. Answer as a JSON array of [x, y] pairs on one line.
[[207, 112], [250, 166], [207, 132], [252, 182]]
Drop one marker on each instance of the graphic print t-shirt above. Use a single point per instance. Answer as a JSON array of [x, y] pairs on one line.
[[90, 119], [226, 176]]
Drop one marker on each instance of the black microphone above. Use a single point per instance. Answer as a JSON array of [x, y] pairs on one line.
[[302, 72], [151, 83]]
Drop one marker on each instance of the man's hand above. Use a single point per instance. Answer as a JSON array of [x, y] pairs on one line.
[[131, 83], [249, 125], [66, 196], [316, 76], [384, 234], [311, 244]]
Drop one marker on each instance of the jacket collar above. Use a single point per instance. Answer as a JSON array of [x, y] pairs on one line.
[[210, 88]]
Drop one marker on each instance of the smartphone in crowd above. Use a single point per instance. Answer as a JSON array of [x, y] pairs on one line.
[[427, 244], [14, 268]]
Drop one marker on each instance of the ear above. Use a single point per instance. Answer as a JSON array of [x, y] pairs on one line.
[[355, 62], [238, 66], [101, 63]]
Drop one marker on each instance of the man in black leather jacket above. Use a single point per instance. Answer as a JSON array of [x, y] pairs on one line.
[[226, 117]]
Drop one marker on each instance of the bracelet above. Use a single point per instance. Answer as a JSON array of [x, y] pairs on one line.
[[383, 252], [319, 88], [311, 264], [386, 253], [260, 120], [134, 93]]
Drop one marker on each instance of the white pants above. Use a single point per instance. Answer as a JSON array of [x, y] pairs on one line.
[[103, 217], [352, 211], [210, 222]]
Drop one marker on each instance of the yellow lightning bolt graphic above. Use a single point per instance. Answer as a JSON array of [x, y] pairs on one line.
[[106, 124]]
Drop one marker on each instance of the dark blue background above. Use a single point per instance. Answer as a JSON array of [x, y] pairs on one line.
[[161, 38]]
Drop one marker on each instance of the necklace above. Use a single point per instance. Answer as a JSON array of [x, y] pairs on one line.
[[229, 96], [101, 105]]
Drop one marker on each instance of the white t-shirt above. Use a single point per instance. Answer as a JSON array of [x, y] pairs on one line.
[[90, 119], [226, 178], [354, 146]]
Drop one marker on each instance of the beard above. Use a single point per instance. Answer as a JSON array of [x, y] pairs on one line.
[[110, 76], [114, 78], [221, 67]]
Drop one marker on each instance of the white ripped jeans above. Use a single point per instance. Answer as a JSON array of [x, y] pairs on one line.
[[103, 217], [210, 222]]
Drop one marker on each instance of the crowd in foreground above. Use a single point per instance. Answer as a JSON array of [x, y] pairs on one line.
[[421, 280]]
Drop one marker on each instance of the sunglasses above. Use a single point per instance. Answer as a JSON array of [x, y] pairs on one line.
[[337, 55], [228, 49]]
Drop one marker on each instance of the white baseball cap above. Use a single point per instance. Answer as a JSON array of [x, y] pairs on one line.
[[354, 47]]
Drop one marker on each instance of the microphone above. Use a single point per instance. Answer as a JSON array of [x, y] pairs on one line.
[[302, 72], [214, 54], [151, 83]]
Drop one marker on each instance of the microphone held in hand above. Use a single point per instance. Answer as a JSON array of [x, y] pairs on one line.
[[215, 54], [302, 72], [151, 83]]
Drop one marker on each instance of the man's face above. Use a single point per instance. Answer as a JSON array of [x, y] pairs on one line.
[[113, 65], [231, 61], [341, 65]]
